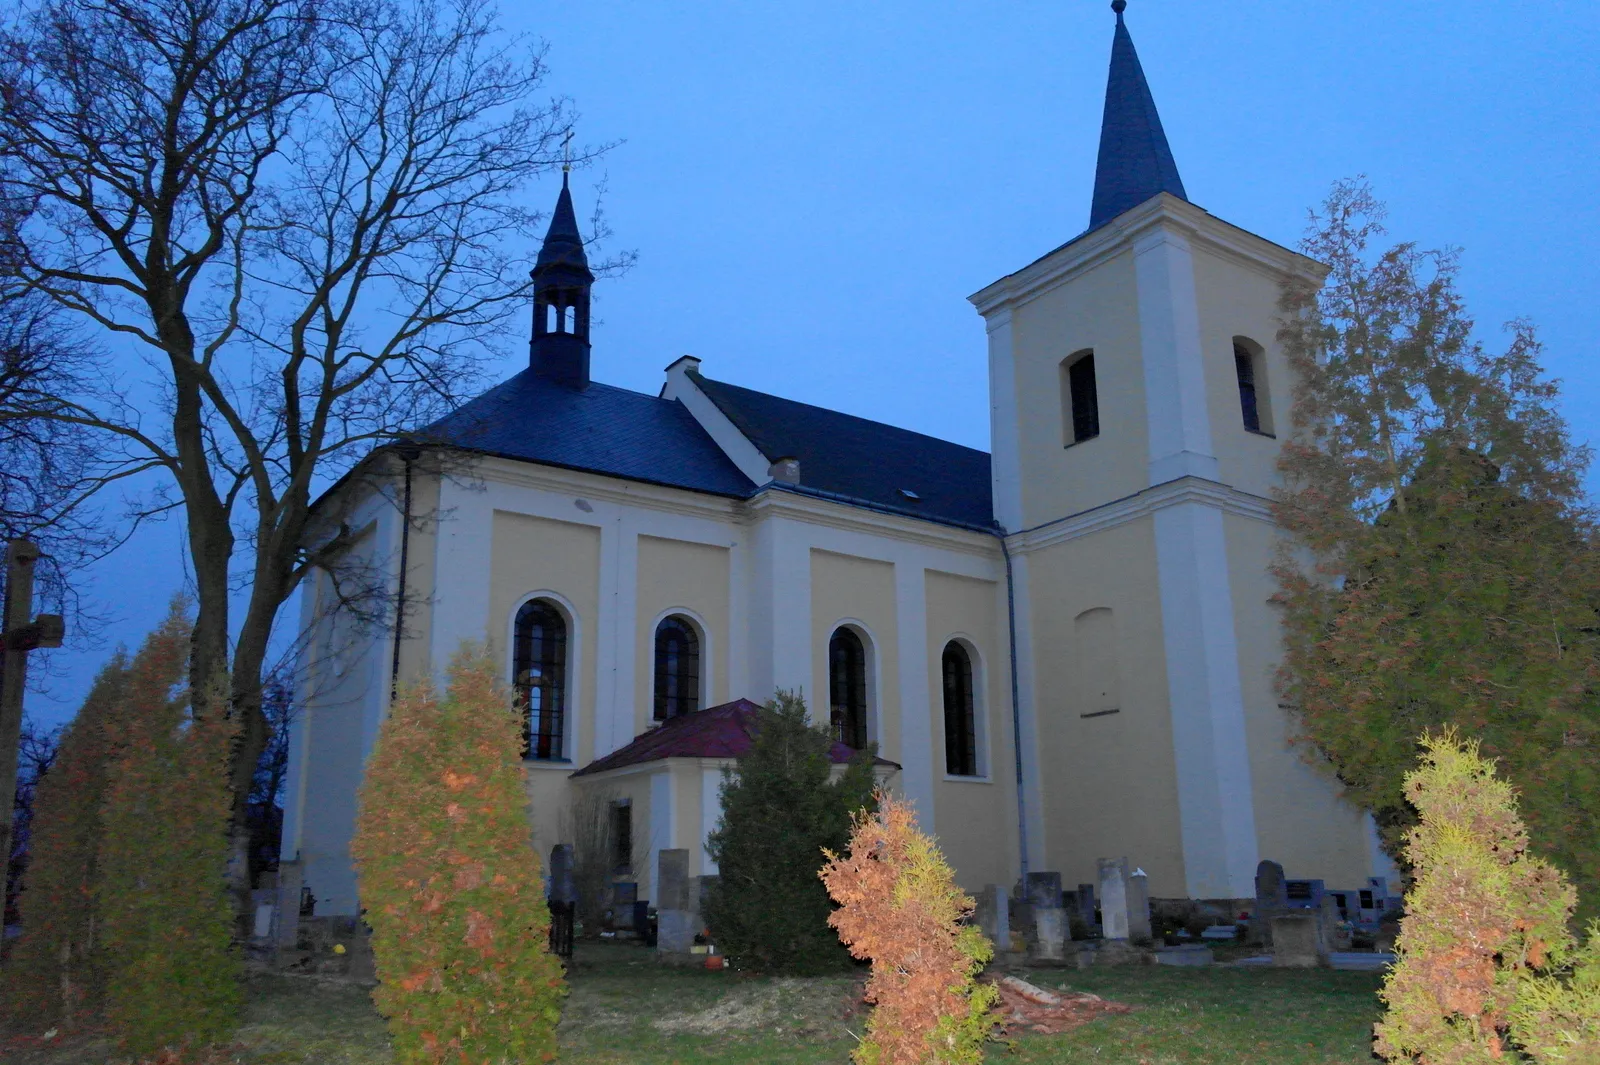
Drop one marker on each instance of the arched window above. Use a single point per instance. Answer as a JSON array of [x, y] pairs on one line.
[[539, 669], [960, 713], [847, 688], [1249, 367], [677, 668], [1080, 402]]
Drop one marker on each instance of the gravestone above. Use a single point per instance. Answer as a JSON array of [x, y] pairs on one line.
[[675, 921], [1272, 900], [994, 917], [1049, 919], [563, 887], [1044, 890], [1139, 906], [286, 923], [1114, 898], [1331, 926], [1086, 904], [1297, 942]]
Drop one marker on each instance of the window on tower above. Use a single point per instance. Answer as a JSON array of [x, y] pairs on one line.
[[1249, 368], [1080, 403]]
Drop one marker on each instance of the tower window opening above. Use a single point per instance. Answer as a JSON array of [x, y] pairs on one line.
[[549, 315], [1080, 400], [847, 688], [677, 668], [1249, 367]]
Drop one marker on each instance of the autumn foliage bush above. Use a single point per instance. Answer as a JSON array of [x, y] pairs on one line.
[[899, 906], [450, 881], [56, 972], [1488, 970]]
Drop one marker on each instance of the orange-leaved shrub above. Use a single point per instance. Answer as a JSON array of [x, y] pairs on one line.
[[1488, 970], [899, 906], [56, 972], [450, 881], [173, 976]]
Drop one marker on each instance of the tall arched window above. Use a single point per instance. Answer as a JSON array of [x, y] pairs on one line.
[[539, 667], [847, 688], [677, 668], [960, 713], [1080, 399]]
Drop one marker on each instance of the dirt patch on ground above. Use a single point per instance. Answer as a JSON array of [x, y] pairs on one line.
[[1026, 1007], [789, 1005]]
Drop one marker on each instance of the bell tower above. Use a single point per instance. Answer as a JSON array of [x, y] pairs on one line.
[[1134, 372], [559, 348]]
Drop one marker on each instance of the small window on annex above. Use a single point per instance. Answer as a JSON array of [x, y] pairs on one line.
[[960, 713], [847, 688], [677, 668], [1249, 367], [1080, 402], [539, 672]]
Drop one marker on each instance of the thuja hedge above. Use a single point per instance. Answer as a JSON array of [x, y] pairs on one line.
[[780, 810], [1488, 970], [55, 973], [173, 975], [900, 908], [450, 881]]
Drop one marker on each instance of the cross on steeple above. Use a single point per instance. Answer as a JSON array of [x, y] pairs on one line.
[[566, 154]]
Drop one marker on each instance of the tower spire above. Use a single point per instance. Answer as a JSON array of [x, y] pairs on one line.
[[559, 347], [1135, 161]]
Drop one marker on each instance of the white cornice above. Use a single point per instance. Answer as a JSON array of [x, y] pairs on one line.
[[1142, 504], [1093, 248], [781, 504]]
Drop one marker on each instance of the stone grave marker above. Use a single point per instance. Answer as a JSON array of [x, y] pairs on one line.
[[1297, 941], [994, 917], [1044, 890], [1086, 904], [1272, 899], [1049, 919], [1114, 898], [1139, 906], [675, 921], [563, 888]]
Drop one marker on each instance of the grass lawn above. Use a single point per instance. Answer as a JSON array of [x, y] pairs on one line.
[[626, 1008]]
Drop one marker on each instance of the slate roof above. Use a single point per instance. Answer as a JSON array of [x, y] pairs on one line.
[[1135, 161], [724, 731], [600, 428], [860, 461]]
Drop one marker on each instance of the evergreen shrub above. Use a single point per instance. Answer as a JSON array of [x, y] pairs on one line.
[[899, 907], [173, 976], [1488, 970], [56, 971], [450, 880], [781, 810]]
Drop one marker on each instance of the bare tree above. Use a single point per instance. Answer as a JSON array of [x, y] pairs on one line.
[[305, 218]]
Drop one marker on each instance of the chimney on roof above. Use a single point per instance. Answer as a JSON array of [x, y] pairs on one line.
[[786, 470]]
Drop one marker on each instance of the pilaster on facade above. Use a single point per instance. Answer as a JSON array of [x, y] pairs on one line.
[[1027, 713], [1174, 371], [1210, 746], [916, 700], [1005, 425], [619, 595]]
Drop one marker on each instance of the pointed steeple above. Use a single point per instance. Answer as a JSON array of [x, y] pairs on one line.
[[559, 348], [1135, 161]]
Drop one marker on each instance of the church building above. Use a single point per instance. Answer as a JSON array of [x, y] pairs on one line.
[[1064, 649]]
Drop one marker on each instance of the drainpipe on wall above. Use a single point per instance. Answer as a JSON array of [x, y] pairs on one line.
[[408, 454], [1016, 706]]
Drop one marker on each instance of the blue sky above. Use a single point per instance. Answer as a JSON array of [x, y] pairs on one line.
[[813, 189]]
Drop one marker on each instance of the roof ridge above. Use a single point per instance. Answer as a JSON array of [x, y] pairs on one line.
[[829, 410]]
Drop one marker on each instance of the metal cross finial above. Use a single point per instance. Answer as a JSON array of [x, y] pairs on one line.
[[566, 153]]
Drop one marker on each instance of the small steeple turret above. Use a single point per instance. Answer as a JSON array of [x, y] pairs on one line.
[[1135, 162], [559, 348]]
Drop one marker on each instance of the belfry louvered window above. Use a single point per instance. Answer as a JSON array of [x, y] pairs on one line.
[[1080, 400], [847, 688], [539, 669], [1244, 367], [960, 713], [677, 668]]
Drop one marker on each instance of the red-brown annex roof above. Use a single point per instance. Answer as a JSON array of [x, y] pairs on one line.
[[722, 731]]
